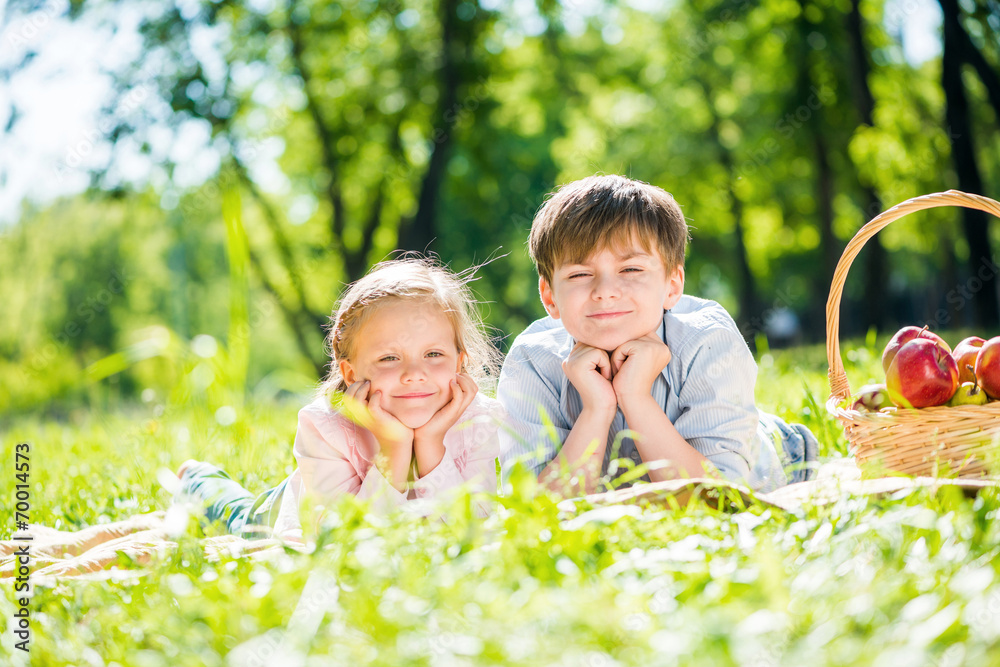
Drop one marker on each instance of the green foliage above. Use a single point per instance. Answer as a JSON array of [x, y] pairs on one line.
[[79, 331], [333, 121], [207, 303], [911, 577]]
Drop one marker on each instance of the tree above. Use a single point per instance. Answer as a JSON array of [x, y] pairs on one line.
[[864, 102], [381, 88], [975, 223]]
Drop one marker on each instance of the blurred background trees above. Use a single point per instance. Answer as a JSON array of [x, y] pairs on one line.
[[348, 130]]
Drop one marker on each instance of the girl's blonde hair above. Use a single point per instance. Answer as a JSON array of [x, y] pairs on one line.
[[413, 279]]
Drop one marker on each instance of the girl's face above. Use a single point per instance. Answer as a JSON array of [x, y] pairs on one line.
[[407, 351]]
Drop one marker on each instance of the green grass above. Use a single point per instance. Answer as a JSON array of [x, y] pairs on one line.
[[908, 580]]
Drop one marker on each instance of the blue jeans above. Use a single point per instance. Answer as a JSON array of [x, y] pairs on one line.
[[798, 450], [224, 499]]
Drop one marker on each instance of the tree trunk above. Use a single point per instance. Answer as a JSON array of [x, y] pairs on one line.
[[324, 133], [749, 315], [875, 266], [974, 223], [749, 305], [971, 55], [422, 229], [824, 208]]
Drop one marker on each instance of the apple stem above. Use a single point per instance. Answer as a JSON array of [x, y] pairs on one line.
[[926, 326]]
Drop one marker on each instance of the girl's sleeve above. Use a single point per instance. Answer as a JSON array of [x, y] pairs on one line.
[[326, 456], [473, 457]]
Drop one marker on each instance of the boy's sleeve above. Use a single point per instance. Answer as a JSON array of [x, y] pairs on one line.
[[718, 415], [526, 394]]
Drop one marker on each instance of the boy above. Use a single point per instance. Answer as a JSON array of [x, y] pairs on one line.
[[624, 348]]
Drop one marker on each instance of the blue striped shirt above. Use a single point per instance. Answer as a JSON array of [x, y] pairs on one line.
[[707, 392]]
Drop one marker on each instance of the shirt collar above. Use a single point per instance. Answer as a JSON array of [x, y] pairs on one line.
[[663, 337]]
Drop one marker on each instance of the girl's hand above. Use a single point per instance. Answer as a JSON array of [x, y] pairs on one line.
[[428, 440], [395, 440], [368, 412]]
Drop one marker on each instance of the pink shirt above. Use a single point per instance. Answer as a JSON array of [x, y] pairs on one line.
[[336, 456]]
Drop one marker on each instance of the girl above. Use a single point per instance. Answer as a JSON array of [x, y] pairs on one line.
[[408, 357]]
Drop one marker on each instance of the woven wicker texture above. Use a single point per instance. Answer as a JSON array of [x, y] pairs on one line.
[[928, 441]]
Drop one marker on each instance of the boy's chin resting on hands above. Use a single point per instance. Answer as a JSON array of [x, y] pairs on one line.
[[606, 379], [635, 365]]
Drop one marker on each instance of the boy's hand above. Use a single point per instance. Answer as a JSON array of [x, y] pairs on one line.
[[635, 365], [463, 390], [589, 369]]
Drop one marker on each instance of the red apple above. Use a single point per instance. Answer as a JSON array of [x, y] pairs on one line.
[[922, 374], [965, 354], [904, 336], [988, 368]]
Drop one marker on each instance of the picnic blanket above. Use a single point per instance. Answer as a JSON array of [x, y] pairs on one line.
[[791, 498], [97, 552]]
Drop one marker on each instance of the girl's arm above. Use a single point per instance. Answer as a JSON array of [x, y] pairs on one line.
[[428, 440], [473, 448], [332, 453]]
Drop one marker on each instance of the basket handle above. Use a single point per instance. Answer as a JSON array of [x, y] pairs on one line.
[[839, 387]]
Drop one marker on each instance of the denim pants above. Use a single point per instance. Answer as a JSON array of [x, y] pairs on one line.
[[224, 499], [797, 447]]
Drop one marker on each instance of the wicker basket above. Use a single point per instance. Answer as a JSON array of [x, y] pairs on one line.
[[938, 440]]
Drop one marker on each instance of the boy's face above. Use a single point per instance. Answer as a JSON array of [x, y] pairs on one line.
[[613, 296]]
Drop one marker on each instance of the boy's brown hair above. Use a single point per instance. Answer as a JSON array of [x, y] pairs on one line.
[[600, 212]]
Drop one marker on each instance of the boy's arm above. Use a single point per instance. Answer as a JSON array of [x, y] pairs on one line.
[[527, 392], [582, 456], [638, 363], [588, 369], [718, 417], [659, 440]]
